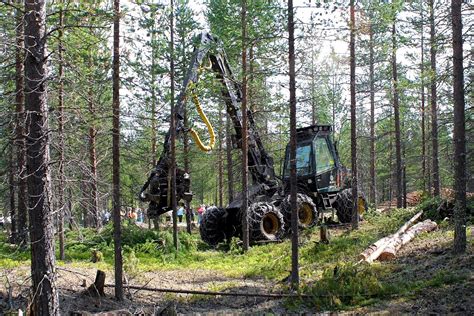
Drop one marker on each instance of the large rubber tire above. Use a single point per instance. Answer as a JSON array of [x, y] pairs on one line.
[[265, 222], [344, 203], [213, 226], [307, 212]]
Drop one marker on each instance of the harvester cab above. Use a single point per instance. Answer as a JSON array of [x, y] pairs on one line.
[[320, 174], [318, 167]]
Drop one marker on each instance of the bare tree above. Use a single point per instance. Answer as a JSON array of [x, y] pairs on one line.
[[355, 215], [62, 178], [245, 196], [230, 175], [396, 112], [172, 171], [373, 175], [434, 107], [22, 214], [11, 193], [295, 279], [93, 194], [116, 155], [423, 109], [460, 175], [220, 163], [43, 272]]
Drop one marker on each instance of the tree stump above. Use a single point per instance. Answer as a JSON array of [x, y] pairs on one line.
[[324, 234], [97, 288]]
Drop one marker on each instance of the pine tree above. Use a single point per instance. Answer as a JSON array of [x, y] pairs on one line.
[[116, 155], [43, 271]]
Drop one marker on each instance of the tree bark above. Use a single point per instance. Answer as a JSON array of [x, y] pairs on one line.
[[434, 107], [355, 213], [423, 111], [116, 155], [245, 196], [172, 171], [230, 175], [373, 181], [96, 289], [396, 111], [11, 188], [220, 163], [460, 176], [154, 124], [295, 279], [43, 272], [94, 198], [22, 214], [189, 213], [62, 178], [313, 92]]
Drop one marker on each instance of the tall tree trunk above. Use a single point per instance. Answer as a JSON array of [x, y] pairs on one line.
[[172, 171], [11, 188], [230, 175], [355, 214], [245, 196], [116, 155], [62, 178], [373, 182], [220, 163], [460, 176], [94, 198], [396, 110], [22, 214], [313, 92], [43, 272], [434, 107], [423, 111], [154, 124], [295, 279], [404, 178]]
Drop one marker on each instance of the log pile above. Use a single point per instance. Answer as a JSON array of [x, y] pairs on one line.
[[387, 247]]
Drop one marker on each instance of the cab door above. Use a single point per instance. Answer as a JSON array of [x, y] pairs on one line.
[[325, 163]]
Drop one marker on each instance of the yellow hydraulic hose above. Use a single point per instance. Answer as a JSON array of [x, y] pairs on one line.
[[204, 118]]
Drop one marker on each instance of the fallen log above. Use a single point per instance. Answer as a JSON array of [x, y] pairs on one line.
[[390, 251], [213, 293], [374, 250]]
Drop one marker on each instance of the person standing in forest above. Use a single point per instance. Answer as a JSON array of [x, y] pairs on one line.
[[200, 211], [180, 212]]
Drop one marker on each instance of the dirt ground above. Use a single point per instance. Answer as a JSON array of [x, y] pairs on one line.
[[418, 260], [71, 280]]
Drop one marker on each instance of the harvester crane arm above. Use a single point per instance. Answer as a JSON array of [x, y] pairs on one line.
[[207, 49]]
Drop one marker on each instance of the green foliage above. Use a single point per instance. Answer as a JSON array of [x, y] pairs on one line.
[[347, 285], [437, 208]]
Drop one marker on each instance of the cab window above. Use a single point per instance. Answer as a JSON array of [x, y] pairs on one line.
[[324, 159], [303, 161]]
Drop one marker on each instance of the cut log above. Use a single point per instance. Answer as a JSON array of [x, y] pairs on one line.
[[374, 250], [409, 223], [390, 251]]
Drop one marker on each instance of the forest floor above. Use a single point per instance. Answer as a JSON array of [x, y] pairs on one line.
[[425, 277]]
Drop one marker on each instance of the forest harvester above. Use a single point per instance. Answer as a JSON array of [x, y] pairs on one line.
[[323, 182]]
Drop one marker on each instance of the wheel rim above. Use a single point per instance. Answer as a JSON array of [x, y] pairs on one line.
[[270, 224], [305, 215]]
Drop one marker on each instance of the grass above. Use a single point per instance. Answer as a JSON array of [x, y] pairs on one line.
[[328, 272]]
